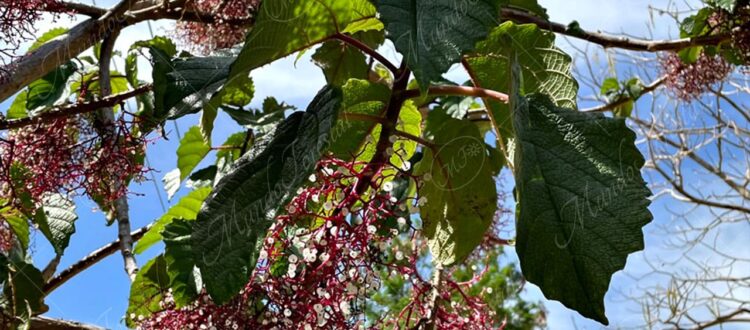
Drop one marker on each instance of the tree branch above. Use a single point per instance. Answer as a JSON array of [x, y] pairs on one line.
[[73, 109], [107, 118], [611, 106], [612, 41], [458, 90], [90, 260]]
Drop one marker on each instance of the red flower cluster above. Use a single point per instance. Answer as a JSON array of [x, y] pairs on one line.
[[690, 81], [67, 155], [224, 32], [323, 258]]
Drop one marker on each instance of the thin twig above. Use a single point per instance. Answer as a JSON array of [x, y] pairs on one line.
[[73, 109], [367, 50], [612, 41]]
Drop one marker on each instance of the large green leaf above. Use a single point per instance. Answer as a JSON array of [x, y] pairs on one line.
[[284, 27], [187, 208], [20, 227], [56, 219], [18, 107], [193, 148], [178, 254], [432, 35], [243, 204], [148, 290], [545, 68], [461, 194], [581, 201]]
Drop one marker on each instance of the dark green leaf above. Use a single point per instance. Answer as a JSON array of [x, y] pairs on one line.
[[23, 286], [581, 201], [242, 206], [461, 194], [432, 35]]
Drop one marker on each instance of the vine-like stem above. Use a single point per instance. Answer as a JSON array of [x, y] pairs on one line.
[[367, 50], [89, 260]]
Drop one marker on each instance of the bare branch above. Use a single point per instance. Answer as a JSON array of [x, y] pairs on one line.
[[90, 260], [611, 41]]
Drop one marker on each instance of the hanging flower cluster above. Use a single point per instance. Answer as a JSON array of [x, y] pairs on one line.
[[690, 81], [324, 257], [68, 155], [225, 31]]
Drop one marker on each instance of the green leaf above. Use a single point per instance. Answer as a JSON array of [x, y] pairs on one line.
[[581, 201], [531, 6], [239, 94], [432, 35], [56, 220], [610, 85], [191, 151], [364, 25], [234, 142], [284, 27], [48, 90], [24, 288], [243, 205], [545, 68], [260, 121], [20, 227], [340, 62], [18, 107], [148, 290], [361, 97], [178, 254], [461, 194], [187, 208], [47, 36]]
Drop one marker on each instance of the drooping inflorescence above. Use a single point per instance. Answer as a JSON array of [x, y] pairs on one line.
[[690, 81], [68, 155], [325, 256], [226, 30]]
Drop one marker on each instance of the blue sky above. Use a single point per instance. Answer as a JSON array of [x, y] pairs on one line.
[[99, 295]]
